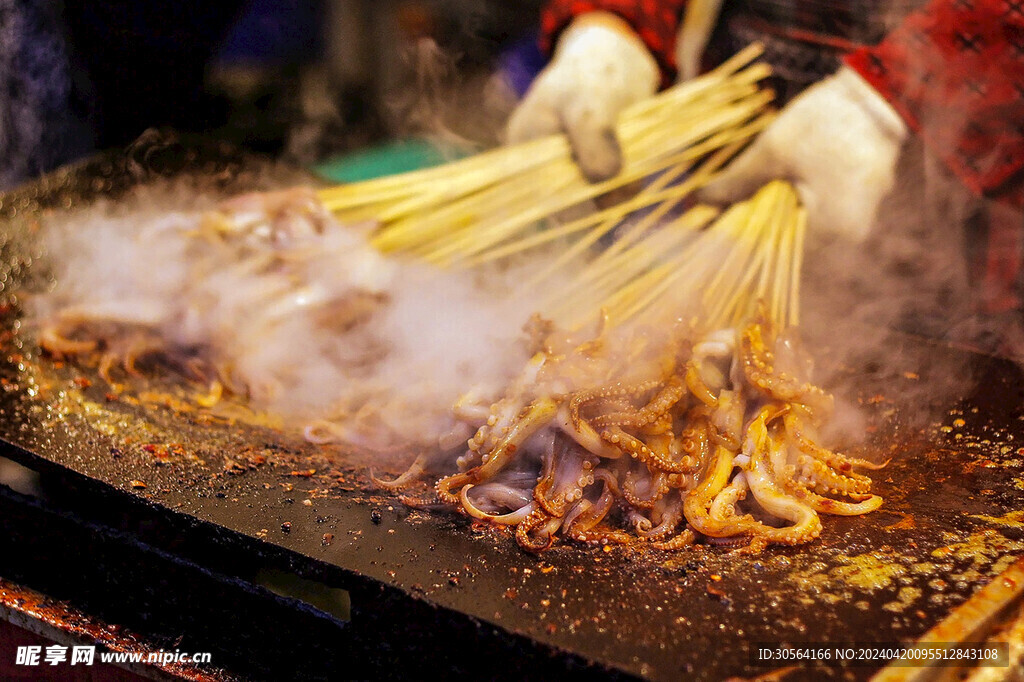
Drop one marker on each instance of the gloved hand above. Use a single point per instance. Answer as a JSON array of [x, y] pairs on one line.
[[838, 143], [600, 67]]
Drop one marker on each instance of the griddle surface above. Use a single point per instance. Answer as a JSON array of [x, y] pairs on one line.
[[950, 521]]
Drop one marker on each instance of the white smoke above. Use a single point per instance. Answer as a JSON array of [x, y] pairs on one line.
[[873, 311], [310, 324]]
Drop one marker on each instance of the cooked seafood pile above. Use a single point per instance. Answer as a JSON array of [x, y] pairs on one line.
[[267, 297], [276, 297], [688, 414], [681, 438]]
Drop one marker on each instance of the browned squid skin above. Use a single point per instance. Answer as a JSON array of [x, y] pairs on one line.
[[714, 507], [55, 342], [737, 542], [614, 393], [556, 502], [759, 368], [685, 539], [589, 514], [828, 505], [524, 532], [109, 343], [719, 447], [698, 502], [766, 480], [837, 467], [404, 480], [669, 511], [818, 476], [532, 418], [658, 487], [700, 390], [668, 395], [639, 450]]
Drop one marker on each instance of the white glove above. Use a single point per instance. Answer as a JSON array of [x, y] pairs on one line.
[[838, 143], [599, 68]]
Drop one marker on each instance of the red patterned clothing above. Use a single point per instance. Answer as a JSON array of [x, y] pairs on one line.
[[655, 21], [954, 70]]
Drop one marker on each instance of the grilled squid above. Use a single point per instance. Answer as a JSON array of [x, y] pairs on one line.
[[710, 441]]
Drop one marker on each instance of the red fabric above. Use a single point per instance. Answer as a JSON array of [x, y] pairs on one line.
[[955, 71], [999, 287], [655, 21]]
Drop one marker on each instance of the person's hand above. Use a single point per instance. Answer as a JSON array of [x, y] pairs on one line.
[[600, 67], [838, 143]]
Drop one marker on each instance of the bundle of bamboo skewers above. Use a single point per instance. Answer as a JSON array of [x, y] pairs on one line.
[[716, 276], [511, 201], [488, 206]]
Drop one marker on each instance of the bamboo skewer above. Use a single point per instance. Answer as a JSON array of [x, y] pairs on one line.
[[484, 208], [570, 190], [684, 189], [499, 204], [716, 276], [631, 266], [762, 263], [603, 276], [798, 262]]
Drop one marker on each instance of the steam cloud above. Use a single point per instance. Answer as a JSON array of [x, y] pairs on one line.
[[311, 324]]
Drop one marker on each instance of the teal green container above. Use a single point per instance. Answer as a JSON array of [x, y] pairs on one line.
[[389, 159]]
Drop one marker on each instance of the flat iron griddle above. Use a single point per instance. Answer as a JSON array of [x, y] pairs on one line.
[[216, 500]]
